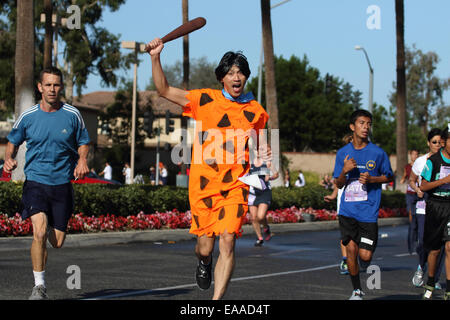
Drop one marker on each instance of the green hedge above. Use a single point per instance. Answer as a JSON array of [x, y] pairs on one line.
[[92, 199]]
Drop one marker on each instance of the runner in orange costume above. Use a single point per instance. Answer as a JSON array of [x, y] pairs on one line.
[[218, 199]]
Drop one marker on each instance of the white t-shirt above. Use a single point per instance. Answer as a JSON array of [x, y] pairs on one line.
[[128, 175], [418, 166], [107, 172], [300, 182]]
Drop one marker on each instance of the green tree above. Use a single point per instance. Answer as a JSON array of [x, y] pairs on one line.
[[313, 111], [425, 104], [89, 50], [92, 49], [384, 136], [201, 75], [116, 120]]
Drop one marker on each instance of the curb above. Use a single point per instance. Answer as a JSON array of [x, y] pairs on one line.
[[109, 238]]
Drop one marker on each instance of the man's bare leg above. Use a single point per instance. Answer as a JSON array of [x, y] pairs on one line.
[[56, 237], [38, 246], [255, 221], [225, 264], [204, 248]]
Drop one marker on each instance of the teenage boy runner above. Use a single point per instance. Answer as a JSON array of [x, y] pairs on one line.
[[57, 149], [361, 167], [218, 199], [436, 182]]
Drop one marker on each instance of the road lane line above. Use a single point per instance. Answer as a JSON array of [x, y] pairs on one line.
[[142, 292]]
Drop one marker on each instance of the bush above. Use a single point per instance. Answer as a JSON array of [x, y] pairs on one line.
[[10, 197], [101, 199]]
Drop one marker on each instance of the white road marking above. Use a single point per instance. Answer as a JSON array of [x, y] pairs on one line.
[[404, 254], [141, 292]]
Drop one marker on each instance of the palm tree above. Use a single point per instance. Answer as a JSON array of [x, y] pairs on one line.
[[401, 131], [270, 84], [269, 66], [48, 40], [24, 71]]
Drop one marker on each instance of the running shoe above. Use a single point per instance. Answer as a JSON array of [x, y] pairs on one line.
[[267, 233], [417, 280], [39, 293], [437, 286], [428, 293], [343, 267], [447, 296], [259, 243], [357, 295], [203, 275]]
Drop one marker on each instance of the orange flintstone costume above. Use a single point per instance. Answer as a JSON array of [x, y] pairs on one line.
[[220, 156]]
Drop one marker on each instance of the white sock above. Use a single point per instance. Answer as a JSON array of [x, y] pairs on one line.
[[39, 278]]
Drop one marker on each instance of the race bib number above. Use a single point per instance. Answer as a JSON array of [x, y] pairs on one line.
[[445, 171], [420, 207], [355, 191]]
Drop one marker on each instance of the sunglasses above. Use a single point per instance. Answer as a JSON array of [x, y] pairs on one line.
[[435, 142]]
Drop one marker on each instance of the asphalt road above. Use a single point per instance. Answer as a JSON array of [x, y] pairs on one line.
[[292, 266]]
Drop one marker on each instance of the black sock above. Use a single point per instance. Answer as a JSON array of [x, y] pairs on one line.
[[447, 289], [356, 282], [431, 281]]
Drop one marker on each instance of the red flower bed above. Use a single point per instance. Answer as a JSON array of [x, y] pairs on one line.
[[78, 223]]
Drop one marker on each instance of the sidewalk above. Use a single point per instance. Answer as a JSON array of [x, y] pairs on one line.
[[160, 235]]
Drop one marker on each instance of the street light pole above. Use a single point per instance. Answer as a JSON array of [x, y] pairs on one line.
[[262, 56], [137, 47], [370, 78]]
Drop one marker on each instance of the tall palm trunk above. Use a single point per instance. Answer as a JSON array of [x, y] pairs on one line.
[[270, 84], [269, 66], [401, 130], [24, 71], [48, 40]]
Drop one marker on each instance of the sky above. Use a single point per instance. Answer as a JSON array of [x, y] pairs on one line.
[[325, 31]]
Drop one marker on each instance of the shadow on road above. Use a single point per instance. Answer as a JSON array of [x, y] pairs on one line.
[[400, 297], [124, 293]]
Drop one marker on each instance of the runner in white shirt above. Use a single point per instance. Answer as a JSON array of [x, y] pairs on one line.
[[107, 172]]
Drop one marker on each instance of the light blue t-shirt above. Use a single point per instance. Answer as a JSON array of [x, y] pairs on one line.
[[362, 202], [52, 141]]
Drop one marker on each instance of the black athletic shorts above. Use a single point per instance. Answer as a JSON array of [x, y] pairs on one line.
[[365, 234], [259, 196], [57, 202], [437, 223]]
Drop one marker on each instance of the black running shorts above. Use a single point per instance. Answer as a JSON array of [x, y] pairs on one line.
[[258, 197], [365, 234], [437, 223], [57, 202]]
